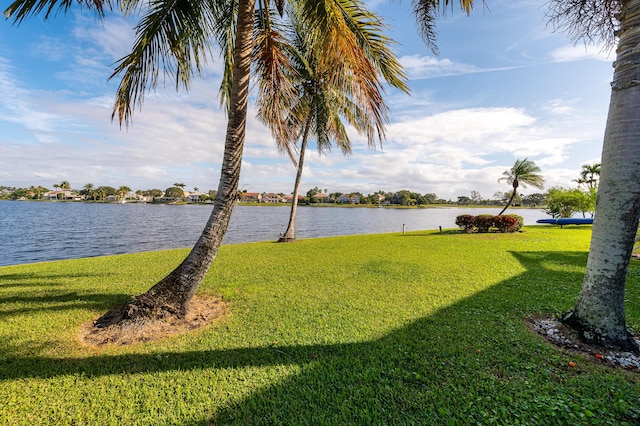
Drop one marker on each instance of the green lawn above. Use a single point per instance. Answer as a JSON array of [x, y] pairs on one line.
[[362, 330]]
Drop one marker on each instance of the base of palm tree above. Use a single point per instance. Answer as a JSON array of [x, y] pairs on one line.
[[586, 334], [286, 239], [131, 323]]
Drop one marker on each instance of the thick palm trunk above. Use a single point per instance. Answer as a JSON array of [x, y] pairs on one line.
[[599, 312], [290, 234], [172, 294]]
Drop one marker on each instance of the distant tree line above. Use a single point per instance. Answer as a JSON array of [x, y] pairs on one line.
[[557, 201], [400, 198], [90, 192]]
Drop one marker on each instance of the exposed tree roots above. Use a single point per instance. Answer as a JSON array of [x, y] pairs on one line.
[[137, 322]]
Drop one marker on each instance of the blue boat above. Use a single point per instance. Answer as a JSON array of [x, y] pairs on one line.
[[567, 221]]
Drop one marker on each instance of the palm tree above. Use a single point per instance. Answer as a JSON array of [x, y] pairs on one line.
[[317, 104], [100, 193], [89, 189], [57, 186], [64, 186], [180, 185], [175, 36], [599, 314], [524, 172], [37, 191], [589, 175], [122, 192]]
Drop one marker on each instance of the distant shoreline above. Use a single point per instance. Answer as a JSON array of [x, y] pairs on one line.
[[350, 206]]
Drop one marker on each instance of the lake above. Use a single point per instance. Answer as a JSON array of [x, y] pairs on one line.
[[42, 231]]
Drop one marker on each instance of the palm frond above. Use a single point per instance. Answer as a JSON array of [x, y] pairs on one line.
[[427, 12], [524, 172], [173, 37], [226, 30], [323, 71], [276, 75], [348, 41], [20, 10]]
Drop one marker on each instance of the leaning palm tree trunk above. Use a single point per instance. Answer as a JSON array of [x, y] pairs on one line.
[[290, 234], [172, 294], [513, 195], [599, 311]]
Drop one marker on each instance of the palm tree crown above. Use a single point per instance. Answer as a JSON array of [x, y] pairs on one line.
[[524, 172], [589, 175], [320, 92]]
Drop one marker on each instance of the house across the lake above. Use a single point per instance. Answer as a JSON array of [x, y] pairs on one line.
[[251, 197], [272, 198], [65, 194], [322, 198], [195, 197], [348, 199], [289, 198]]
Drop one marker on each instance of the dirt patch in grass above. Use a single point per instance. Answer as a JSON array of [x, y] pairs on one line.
[[558, 334], [203, 310]]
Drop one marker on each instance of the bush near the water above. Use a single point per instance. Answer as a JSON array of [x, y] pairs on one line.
[[506, 223], [466, 222], [486, 222], [519, 222]]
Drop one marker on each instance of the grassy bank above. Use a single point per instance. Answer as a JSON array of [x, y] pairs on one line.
[[425, 328]]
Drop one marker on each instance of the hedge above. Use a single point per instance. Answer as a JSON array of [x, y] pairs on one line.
[[487, 223]]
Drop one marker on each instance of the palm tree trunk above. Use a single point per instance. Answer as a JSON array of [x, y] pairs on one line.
[[599, 311], [513, 195], [172, 294], [290, 234]]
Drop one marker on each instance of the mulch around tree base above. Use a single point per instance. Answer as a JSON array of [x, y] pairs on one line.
[[202, 311], [558, 334]]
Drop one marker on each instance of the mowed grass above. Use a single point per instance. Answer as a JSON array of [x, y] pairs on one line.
[[425, 328]]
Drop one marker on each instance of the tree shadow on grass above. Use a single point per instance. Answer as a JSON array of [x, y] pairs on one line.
[[56, 295], [31, 279], [62, 302], [470, 362]]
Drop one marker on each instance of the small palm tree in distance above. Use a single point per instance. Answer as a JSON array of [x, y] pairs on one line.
[[524, 172]]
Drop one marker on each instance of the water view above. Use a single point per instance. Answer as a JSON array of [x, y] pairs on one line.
[[35, 232]]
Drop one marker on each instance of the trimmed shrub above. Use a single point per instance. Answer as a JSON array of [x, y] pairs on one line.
[[466, 222], [519, 222], [484, 222], [505, 223]]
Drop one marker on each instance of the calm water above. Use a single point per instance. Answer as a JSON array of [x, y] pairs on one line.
[[36, 232]]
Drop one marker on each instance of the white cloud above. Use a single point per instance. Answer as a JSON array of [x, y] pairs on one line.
[[454, 152], [461, 136], [112, 37], [453, 136], [571, 53], [561, 106], [420, 67]]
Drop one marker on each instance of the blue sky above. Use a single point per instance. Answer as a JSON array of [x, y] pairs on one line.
[[503, 87]]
